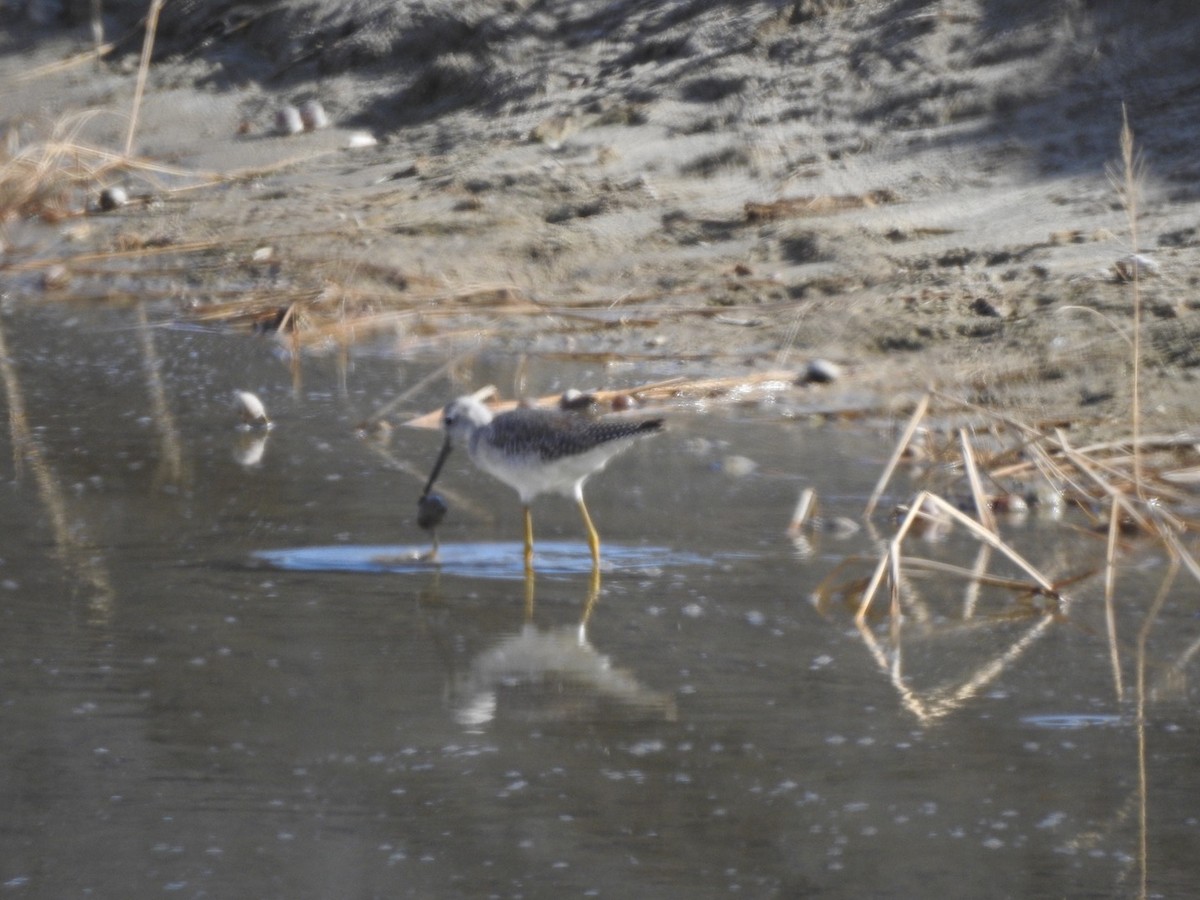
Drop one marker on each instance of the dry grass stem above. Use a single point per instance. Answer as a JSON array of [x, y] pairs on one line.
[[806, 505], [1103, 479], [671, 389], [64, 65], [891, 559], [1130, 200], [73, 546], [974, 575], [976, 579], [171, 468], [143, 71], [1110, 582], [914, 422], [1143, 785], [1088, 467], [1178, 551], [983, 507], [821, 205], [937, 703]]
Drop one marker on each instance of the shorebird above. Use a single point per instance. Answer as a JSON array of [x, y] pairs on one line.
[[537, 451]]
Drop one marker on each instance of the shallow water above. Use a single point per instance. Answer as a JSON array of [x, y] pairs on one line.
[[221, 678]]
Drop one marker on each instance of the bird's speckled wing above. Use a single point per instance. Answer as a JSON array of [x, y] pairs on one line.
[[549, 435]]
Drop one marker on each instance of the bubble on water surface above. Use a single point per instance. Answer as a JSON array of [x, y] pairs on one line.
[[1053, 820]]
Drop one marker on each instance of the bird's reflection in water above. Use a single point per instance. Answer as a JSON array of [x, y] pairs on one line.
[[552, 675], [249, 448]]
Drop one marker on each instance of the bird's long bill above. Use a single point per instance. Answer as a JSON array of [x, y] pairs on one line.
[[437, 466]]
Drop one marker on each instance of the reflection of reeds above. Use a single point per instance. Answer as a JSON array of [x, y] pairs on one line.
[[1133, 490], [929, 706], [77, 555], [1110, 482], [1132, 498], [930, 507], [1143, 791], [171, 466]]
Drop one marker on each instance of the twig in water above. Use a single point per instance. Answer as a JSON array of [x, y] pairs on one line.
[[982, 508], [925, 504], [804, 508]]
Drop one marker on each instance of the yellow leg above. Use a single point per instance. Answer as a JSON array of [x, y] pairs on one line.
[[528, 541], [528, 594], [593, 537], [590, 604]]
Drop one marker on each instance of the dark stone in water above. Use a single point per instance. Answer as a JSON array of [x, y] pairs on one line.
[[431, 509]]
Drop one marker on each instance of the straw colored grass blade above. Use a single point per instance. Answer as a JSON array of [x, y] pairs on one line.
[[982, 507], [1110, 580], [914, 422], [890, 560], [805, 506], [893, 549], [143, 70]]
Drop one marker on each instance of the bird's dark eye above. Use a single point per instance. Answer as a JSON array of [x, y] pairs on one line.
[[448, 420]]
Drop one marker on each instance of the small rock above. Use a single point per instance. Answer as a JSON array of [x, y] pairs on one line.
[[1013, 504], [56, 278], [1135, 265], [574, 399], [312, 115], [1068, 236], [820, 371], [113, 198], [738, 466], [553, 132], [288, 121], [842, 527], [982, 306], [431, 509], [1089, 396]]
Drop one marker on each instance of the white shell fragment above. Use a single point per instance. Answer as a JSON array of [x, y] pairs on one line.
[[360, 139], [251, 410], [288, 121], [312, 115]]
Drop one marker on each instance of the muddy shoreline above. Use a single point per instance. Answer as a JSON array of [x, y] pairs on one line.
[[923, 194]]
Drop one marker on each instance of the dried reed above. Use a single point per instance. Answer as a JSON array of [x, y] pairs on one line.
[[143, 71]]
